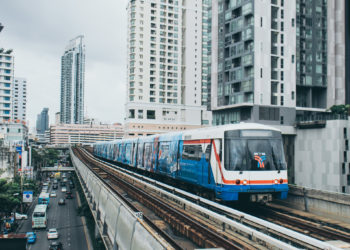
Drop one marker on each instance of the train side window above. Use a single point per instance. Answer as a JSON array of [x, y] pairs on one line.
[[163, 150], [192, 152], [147, 154], [139, 154], [128, 151]]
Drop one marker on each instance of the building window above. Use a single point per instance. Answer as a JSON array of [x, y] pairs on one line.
[[261, 72], [140, 114], [345, 133], [131, 113], [282, 120], [151, 114], [343, 168]]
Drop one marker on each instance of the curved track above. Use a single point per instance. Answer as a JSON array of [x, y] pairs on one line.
[[181, 222]]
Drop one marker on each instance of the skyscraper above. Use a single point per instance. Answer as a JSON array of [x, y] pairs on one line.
[[6, 81], [276, 61], [165, 90], [42, 122], [19, 99], [347, 50], [311, 51], [253, 61], [73, 81]]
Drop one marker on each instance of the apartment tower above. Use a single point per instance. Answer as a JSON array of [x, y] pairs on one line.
[[19, 99], [6, 81], [72, 82], [253, 61], [165, 90]]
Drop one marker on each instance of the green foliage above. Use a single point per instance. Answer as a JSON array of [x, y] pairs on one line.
[[340, 109], [10, 193], [44, 157], [10, 196]]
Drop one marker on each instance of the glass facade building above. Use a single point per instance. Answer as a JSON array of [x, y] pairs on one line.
[[73, 82]]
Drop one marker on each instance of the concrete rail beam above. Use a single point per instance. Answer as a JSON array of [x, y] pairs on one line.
[[330, 204], [118, 226]]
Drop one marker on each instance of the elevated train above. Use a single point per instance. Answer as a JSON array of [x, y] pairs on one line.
[[229, 163]]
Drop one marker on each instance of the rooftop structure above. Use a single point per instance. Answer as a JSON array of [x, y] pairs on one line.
[[84, 133]]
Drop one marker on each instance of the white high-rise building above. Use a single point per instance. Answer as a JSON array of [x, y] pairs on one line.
[[73, 82], [6, 81], [19, 101], [164, 67]]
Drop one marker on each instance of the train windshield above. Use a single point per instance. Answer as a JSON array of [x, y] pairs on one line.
[[254, 154]]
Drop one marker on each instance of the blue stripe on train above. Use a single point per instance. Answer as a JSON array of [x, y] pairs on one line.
[[230, 192]]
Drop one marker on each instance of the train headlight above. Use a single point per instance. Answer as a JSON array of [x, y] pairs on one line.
[[238, 182], [281, 181], [276, 181], [245, 182]]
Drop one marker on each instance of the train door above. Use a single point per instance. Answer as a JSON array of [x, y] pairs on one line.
[[134, 157], [155, 154], [216, 159], [206, 169], [139, 160]]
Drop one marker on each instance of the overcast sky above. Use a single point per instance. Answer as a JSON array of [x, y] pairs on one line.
[[38, 32]]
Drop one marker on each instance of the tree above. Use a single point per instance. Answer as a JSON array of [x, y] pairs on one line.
[[10, 196], [340, 109]]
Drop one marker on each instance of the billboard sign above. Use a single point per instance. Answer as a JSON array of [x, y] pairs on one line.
[[27, 196]]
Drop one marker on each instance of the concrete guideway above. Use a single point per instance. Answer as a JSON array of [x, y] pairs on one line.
[[329, 204], [255, 234], [117, 224]]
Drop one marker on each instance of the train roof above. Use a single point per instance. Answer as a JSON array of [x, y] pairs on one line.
[[206, 132]]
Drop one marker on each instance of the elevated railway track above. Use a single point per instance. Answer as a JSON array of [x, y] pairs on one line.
[[207, 223]]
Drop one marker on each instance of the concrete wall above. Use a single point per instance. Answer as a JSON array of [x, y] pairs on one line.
[[328, 204], [322, 158], [119, 227]]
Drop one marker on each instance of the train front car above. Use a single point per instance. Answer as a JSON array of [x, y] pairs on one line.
[[253, 165]]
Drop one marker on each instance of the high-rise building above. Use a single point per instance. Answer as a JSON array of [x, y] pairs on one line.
[[165, 90], [19, 99], [347, 50], [333, 56], [42, 122], [73, 81], [6, 81], [311, 82], [253, 61], [276, 61], [57, 118]]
